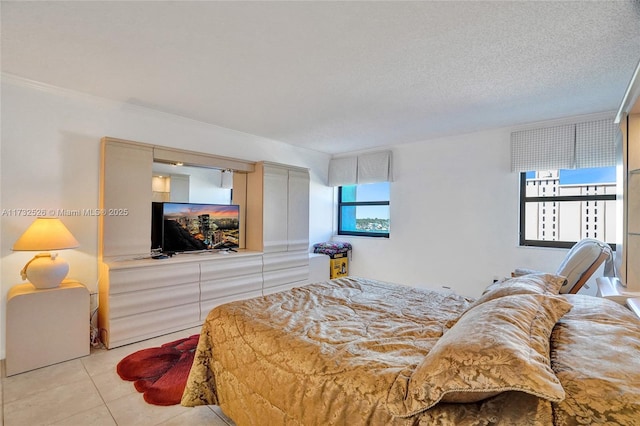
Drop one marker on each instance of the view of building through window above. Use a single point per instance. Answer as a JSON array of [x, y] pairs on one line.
[[569, 205]]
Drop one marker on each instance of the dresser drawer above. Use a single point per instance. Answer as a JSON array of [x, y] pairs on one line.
[[136, 279], [136, 302], [134, 328], [228, 266]]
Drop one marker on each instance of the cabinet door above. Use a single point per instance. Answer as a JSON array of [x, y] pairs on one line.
[[631, 265], [275, 208], [298, 205], [125, 198]]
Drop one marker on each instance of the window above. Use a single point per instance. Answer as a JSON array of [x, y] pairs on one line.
[[560, 207], [364, 210]]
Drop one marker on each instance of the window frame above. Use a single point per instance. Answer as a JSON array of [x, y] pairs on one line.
[[341, 204], [549, 199]]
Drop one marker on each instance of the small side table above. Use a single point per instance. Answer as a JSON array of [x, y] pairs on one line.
[[45, 327], [612, 289], [634, 304]]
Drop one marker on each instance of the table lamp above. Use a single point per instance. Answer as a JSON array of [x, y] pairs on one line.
[[45, 270]]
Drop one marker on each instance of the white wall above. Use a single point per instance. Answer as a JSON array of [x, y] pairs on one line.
[[50, 160]]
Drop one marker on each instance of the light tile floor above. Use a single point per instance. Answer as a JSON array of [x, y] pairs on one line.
[[88, 392]]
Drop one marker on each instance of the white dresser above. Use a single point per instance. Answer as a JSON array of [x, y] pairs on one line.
[[144, 298]]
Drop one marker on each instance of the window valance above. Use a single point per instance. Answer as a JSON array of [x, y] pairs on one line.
[[343, 171], [569, 146], [364, 168], [595, 144]]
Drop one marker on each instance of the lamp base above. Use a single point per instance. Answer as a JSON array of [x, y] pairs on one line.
[[46, 270]]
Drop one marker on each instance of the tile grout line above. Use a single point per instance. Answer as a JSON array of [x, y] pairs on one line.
[[84, 367]]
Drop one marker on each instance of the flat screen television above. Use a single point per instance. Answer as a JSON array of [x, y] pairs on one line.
[[185, 227]]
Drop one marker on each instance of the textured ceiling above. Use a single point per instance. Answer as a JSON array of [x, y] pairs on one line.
[[334, 76]]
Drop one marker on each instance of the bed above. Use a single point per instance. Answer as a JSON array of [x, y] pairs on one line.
[[354, 351]]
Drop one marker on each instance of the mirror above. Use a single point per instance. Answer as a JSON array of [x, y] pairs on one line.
[[190, 184]]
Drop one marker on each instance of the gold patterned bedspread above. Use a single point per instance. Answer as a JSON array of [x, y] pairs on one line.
[[336, 353], [596, 356]]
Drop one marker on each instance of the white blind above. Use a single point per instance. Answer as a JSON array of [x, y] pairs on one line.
[[343, 171], [541, 149], [364, 168], [595, 144], [570, 146], [374, 167]]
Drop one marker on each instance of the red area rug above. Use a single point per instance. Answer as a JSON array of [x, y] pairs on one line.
[[160, 374]]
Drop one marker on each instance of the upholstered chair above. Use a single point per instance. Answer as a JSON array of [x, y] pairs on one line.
[[580, 263]]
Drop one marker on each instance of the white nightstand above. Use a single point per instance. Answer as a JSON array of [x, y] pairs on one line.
[[634, 304], [46, 326], [612, 289]]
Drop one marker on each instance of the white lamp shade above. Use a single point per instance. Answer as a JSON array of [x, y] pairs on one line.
[[46, 233]]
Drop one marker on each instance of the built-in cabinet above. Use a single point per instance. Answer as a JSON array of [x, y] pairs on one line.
[[632, 268], [629, 191], [141, 297], [278, 223]]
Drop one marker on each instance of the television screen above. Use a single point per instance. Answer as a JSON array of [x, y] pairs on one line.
[[181, 227]]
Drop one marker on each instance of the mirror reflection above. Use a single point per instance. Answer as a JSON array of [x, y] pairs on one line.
[[189, 184]]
